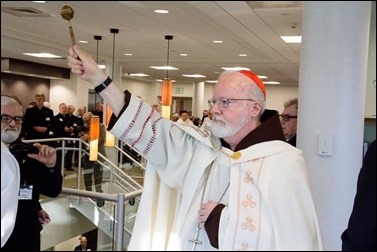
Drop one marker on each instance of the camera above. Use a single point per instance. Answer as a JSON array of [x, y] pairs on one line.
[[81, 128], [20, 149]]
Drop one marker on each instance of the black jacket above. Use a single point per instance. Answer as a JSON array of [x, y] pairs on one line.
[[26, 232], [78, 248], [36, 116], [360, 234]]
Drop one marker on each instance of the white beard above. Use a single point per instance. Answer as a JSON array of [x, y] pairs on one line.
[[221, 128], [9, 135]]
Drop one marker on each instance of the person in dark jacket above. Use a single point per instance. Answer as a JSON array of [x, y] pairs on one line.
[[38, 175], [38, 120], [83, 245], [360, 234]]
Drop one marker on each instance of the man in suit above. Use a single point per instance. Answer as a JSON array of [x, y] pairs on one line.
[[38, 120], [83, 245]]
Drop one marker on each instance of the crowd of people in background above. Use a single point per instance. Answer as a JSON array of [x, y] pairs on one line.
[[40, 122], [186, 117]]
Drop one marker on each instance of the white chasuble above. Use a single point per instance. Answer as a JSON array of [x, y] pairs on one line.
[[269, 205]]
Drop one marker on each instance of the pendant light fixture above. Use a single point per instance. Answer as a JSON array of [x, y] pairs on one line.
[[93, 137], [110, 139], [166, 87]]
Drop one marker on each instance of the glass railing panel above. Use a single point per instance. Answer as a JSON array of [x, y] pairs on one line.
[[75, 212], [72, 216], [115, 180]]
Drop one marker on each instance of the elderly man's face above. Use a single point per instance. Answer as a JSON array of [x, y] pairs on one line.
[[10, 131], [228, 121], [99, 106], [289, 127]]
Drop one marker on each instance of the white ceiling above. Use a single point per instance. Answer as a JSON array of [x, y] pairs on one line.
[[249, 27]]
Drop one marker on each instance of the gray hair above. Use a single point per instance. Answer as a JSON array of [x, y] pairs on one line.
[[86, 117], [11, 100], [291, 102], [254, 92]]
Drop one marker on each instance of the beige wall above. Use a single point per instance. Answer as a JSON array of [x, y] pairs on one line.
[[24, 87]]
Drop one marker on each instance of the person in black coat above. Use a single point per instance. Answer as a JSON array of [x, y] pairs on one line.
[[35, 179], [38, 175], [360, 234], [99, 111], [73, 123], [38, 120], [83, 245]]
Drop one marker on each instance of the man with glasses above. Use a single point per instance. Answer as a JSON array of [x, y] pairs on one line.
[[38, 175], [10, 179], [238, 186], [288, 120]]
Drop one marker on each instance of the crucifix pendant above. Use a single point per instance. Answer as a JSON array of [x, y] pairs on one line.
[[195, 240]]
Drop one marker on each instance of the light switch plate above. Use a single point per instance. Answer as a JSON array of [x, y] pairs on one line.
[[325, 145]]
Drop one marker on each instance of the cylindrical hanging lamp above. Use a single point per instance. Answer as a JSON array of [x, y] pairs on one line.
[[166, 96], [93, 137], [166, 87]]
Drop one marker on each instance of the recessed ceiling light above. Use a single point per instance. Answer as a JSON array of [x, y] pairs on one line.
[[83, 41], [159, 80], [235, 68], [271, 82], [43, 55], [242, 55], [161, 11], [128, 54], [164, 67], [217, 41], [183, 54], [139, 74], [211, 81], [291, 39], [194, 75], [102, 66]]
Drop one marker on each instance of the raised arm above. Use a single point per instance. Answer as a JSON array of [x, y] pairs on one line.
[[84, 66]]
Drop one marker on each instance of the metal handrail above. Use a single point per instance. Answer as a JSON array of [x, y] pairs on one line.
[[120, 199], [133, 183]]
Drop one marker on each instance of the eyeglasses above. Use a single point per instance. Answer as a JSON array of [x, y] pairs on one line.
[[8, 119], [286, 117], [224, 102]]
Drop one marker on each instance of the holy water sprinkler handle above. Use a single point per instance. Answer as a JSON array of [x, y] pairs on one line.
[[67, 13]]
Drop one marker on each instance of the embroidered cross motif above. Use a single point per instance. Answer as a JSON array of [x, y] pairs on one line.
[[249, 201], [248, 224], [248, 178], [244, 246]]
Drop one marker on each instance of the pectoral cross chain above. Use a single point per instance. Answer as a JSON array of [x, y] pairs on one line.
[[195, 240]]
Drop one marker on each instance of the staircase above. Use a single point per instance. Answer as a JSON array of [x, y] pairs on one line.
[[74, 215]]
